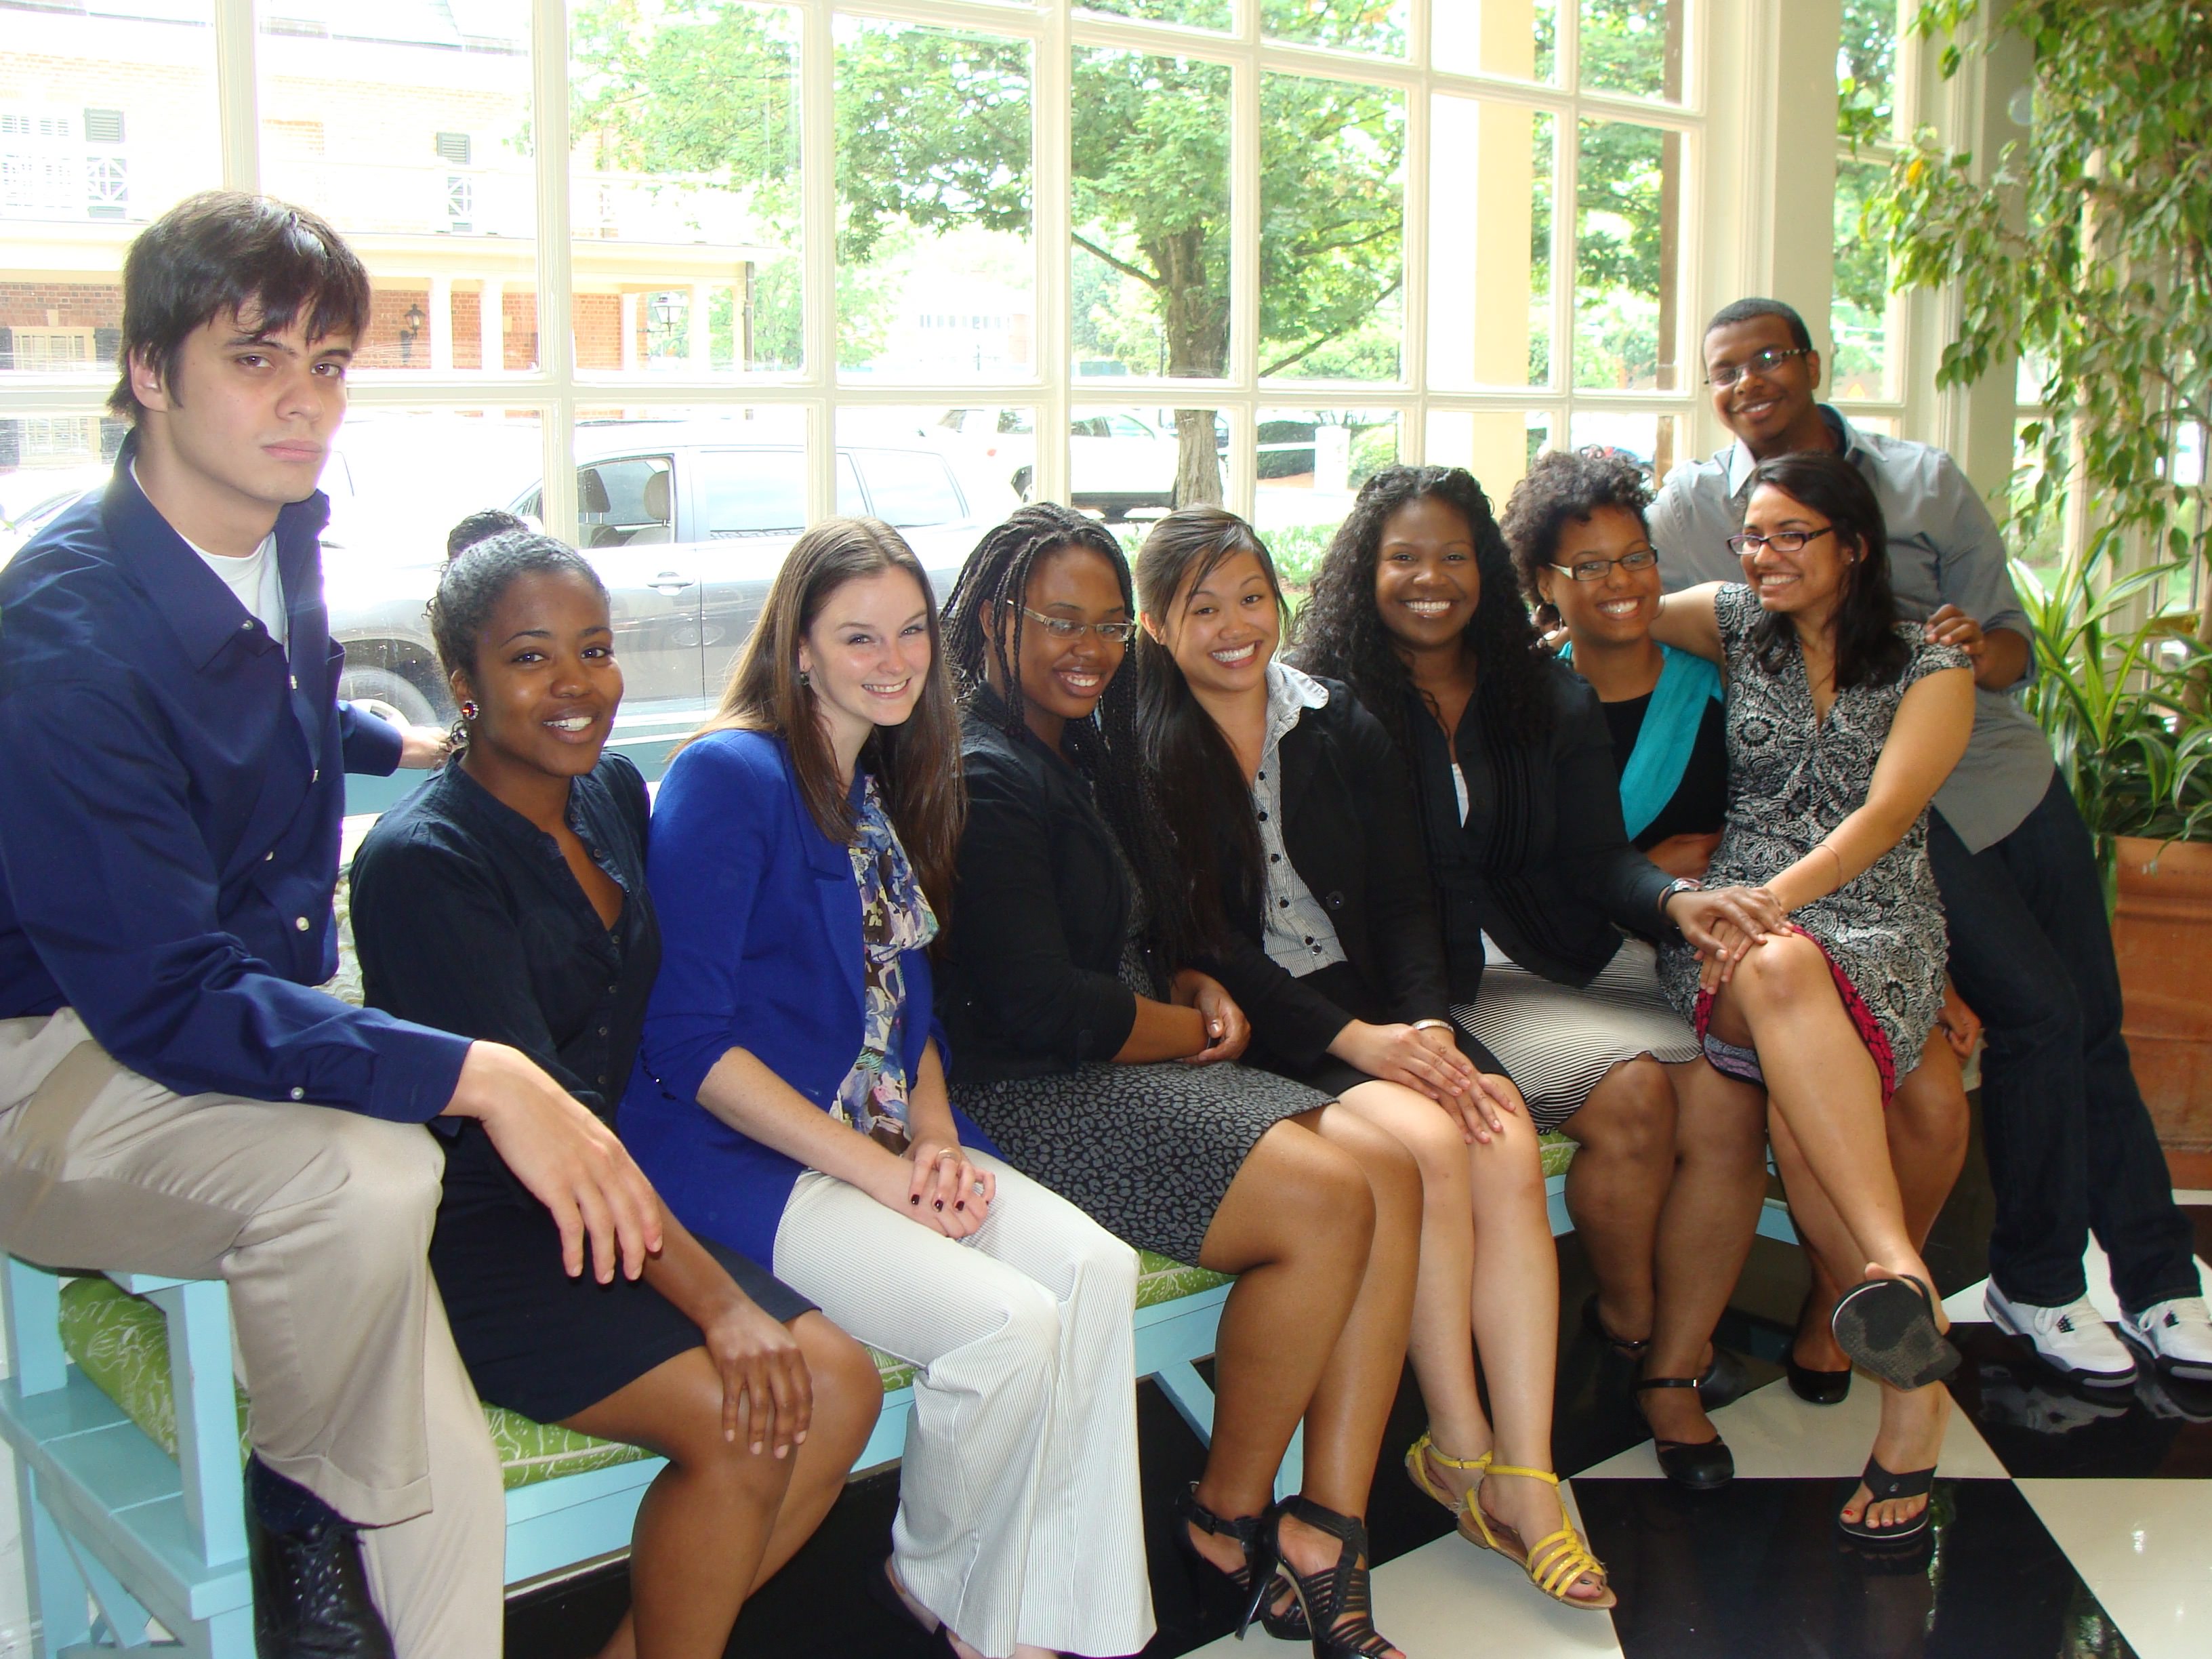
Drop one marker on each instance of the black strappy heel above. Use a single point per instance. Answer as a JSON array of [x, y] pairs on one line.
[[1338, 1602], [1289, 1623], [1700, 1465]]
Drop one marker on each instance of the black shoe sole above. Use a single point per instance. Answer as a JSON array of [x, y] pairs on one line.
[[1888, 1327]]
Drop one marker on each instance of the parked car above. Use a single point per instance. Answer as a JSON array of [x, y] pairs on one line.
[[687, 523], [1118, 461]]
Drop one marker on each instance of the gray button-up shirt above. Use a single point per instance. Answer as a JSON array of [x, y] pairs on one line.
[[1944, 549], [1300, 936]]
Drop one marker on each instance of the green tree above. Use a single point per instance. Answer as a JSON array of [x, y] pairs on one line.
[[2089, 249], [932, 132]]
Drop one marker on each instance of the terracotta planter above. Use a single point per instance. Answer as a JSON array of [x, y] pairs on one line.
[[2162, 935]]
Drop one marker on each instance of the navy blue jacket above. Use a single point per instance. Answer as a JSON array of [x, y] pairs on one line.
[[170, 787]]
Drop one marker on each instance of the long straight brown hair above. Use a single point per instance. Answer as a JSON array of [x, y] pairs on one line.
[[916, 765]]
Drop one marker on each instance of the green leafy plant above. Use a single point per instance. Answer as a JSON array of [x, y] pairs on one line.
[[2113, 695]]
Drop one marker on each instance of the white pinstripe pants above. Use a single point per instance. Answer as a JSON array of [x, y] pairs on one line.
[[1019, 1517]]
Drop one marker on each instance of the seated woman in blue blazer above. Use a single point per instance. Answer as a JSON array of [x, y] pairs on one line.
[[789, 1101], [505, 900]]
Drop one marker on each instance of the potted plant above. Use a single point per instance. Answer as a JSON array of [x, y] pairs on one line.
[[2118, 700]]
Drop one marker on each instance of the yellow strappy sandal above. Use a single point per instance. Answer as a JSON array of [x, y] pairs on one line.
[[1418, 1456], [1556, 1561]]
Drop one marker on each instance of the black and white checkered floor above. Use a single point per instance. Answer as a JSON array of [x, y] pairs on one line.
[[2070, 1525]]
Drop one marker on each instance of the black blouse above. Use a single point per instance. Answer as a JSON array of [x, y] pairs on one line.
[[467, 918], [1542, 862], [1701, 800]]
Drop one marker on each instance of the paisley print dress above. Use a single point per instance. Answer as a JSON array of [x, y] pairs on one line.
[[1793, 777]]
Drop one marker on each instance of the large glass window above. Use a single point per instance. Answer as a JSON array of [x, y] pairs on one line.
[[1865, 321], [770, 259]]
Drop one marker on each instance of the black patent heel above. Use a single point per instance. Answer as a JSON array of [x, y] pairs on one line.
[[1338, 1602]]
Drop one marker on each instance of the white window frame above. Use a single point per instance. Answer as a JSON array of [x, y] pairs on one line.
[[556, 388]]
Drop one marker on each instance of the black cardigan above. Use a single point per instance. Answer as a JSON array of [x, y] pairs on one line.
[[1542, 862], [1351, 833], [1026, 981]]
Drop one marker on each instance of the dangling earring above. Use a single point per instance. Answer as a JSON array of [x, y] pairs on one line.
[[805, 679], [470, 711]]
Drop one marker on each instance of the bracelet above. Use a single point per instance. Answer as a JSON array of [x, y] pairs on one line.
[[1432, 1025], [1823, 847], [1679, 885]]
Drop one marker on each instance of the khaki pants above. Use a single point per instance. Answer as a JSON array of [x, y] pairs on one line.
[[319, 1221]]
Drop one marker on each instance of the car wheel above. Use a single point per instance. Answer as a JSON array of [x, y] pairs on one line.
[[1023, 478], [394, 698]]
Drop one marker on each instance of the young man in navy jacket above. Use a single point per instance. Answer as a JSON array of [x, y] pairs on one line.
[[175, 1096]]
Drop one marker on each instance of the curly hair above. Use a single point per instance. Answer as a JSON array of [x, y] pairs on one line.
[[1105, 748], [1563, 487], [1340, 632]]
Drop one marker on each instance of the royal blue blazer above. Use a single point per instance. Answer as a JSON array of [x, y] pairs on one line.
[[761, 949]]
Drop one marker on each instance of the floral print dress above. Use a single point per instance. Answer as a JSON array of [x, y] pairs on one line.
[[1793, 777]]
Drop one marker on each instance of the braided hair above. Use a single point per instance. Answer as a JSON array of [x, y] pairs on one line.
[[485, 553], [1104, 748]]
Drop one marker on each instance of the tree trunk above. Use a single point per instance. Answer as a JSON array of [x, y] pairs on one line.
[[1195, 320]]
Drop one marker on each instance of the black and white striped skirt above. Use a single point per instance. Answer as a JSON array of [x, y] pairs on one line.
[[1556, 1042]]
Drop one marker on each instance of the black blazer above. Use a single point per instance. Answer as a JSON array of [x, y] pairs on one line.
[[1351, 831], [1026, 978], [1543, 861]]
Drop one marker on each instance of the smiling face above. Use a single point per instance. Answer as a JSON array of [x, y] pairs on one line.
[[545, 682], [1223, 626], [1808, 583], [866, 656], [1427, 584], [1772, 411], [244, 423], [1062, 680], [1617, 610]]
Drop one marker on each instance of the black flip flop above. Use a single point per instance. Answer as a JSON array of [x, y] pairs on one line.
[[1883, 1485], [1887, 1326]]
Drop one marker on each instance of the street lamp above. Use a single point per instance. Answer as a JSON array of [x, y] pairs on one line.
[[410, 327]]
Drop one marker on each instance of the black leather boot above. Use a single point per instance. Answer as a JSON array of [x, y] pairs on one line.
[[311, 1597]]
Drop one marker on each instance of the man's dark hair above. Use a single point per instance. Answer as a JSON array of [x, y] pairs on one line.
[[1745, 311], [1564, 486], [223, 252]]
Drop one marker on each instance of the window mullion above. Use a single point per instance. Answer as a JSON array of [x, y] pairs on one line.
[[238, 94], [1244, 260], [1051, 115], [557, 341], [1413, 247], [817, 150]]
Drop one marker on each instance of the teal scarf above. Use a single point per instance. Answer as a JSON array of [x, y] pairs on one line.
[[1669, 733]]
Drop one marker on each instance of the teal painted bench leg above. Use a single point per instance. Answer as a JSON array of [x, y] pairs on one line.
[[58, 1595], [198, 1315]]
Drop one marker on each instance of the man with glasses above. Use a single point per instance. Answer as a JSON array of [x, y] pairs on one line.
[[2071, 1148]]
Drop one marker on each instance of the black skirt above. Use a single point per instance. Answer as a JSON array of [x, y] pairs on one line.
[[534, 1340]]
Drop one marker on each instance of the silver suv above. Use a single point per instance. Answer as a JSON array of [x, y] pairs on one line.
[[687, 523]]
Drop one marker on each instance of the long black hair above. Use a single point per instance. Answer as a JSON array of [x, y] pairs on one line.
[[1196, 776], [1105, 748], [1341, 633], [1870, 651]]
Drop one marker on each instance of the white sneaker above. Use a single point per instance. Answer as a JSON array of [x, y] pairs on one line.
[[2176, 1336], [2071, 1339]]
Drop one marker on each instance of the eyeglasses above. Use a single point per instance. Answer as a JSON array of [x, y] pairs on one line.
[[1596, 570], [1760, 362], [1782, 541], [1068, 630]]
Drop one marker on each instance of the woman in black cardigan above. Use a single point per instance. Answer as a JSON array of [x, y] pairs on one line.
[[1416, 607], [1294, 822]]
